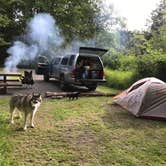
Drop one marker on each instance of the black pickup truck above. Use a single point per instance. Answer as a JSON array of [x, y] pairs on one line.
[[84, 68]]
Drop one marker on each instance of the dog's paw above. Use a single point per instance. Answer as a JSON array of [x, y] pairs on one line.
[[32, 125]]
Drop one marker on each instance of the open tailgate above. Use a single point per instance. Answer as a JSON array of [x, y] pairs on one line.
[[92, 51]]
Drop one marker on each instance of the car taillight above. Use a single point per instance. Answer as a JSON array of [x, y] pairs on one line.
[[74, 72], [103, 74]]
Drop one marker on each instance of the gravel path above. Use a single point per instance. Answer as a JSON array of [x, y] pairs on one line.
[[39, 86]]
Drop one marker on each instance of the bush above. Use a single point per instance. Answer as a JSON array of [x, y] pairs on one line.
[[111, 59], [118, 61], [152, 65], [119, 79], [128, 62], [126, 69]]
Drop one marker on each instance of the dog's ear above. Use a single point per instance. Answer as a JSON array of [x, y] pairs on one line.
[[30, 72], [40, 95]]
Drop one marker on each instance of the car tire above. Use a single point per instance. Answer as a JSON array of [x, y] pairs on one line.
[[63, 84], [46, 77], [92, 87]]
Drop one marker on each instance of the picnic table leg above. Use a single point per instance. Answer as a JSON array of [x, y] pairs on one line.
[[5, 87]]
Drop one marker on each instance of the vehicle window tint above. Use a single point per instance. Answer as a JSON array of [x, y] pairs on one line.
[[57, 60], [64, 61], [93, 62], [96, 63], [71, 60]]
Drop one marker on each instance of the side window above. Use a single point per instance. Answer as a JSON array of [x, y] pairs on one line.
[[64, 61], [71, 60], [57, 60]]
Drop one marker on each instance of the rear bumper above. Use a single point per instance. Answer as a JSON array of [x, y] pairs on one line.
[[91, 80], [85, 82]]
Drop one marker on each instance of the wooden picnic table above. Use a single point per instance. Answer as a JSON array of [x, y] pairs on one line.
[[6, 82]]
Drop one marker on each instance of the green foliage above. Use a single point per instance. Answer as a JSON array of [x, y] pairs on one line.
[[158, 17], [124, 70], [152, 65], [119, 79], [4, 22], [117, 61], [127, 63], [158, 27], [105, 39], [136, 44], [75, 18], [111, 59]]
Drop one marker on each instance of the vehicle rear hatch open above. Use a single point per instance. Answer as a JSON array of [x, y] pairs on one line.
[[90, 67], [92, 51]]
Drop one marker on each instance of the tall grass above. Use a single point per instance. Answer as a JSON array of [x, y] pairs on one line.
[[119, 79]]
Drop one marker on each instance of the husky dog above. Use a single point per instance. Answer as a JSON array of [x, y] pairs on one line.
[[27, 79], [26, 103]]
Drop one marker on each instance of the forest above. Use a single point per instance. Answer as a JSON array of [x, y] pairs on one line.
[[132, 54]]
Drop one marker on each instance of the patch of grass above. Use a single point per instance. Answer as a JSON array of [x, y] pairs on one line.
[[87, 131], [5, 132], [66, 109], [106, 89]]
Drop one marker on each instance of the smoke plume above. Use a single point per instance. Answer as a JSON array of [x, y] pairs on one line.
[[42, 38], [42, 35]]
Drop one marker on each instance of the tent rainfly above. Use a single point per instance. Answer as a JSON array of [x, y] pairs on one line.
[[145, 98]]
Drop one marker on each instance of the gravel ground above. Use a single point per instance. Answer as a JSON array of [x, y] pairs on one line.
[[39, 86]]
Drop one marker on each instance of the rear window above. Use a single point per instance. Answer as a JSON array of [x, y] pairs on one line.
[[64, 61]]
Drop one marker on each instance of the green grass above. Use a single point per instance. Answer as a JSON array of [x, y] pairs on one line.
[[105, 89], [85, 132], [5, 132]]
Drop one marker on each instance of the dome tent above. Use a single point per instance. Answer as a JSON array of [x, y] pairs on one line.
[[145, 98]]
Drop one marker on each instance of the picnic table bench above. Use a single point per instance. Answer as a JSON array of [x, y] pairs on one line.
[[6, 81]]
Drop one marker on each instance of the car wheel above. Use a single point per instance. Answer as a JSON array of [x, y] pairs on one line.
[[92, 87], [46, 78]]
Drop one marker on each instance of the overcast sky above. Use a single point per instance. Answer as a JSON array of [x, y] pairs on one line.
[[135, 11]]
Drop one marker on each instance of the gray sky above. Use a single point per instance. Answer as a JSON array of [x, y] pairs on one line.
[[135, 11]]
